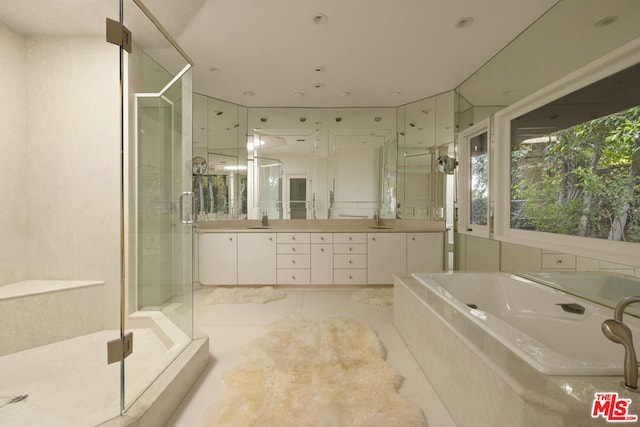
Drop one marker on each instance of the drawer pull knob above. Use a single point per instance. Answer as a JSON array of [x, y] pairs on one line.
[[293, 249], [293, 262], [321, 237], [559, 261], [293, 238], [350, 262], [350, 238], [321, 249], [350, 249], [373, 238], [231, 239], [350, 277], [293, 277], [413, 238]]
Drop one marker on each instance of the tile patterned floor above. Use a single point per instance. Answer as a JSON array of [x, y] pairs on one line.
[[230, 327]]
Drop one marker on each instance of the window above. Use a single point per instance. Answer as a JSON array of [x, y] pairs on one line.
[[570, 163], [474, 214]]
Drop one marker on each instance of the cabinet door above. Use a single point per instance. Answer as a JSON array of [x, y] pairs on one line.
[[256, 259], [322, 264], [387, 254], [425, 252], [217, 259]]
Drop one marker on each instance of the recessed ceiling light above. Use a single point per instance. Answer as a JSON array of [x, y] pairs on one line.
[[319, 69], [248, 93], [215, 70], [377, 119], [394, 93], [508, 92], [464, 22], [426, 111], [344, 93], [298, 94], [605, 22], [320, 19], [318, 85]]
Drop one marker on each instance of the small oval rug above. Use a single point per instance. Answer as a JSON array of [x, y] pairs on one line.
[[375, 296], [245, 295]]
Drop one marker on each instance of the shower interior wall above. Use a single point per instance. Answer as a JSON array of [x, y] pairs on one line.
[[59, 168]]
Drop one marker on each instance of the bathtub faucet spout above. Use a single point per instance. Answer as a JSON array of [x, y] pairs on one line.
[[618, 332]]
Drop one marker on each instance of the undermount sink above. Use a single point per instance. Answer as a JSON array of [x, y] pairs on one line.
[[381, 227], [259, 227]]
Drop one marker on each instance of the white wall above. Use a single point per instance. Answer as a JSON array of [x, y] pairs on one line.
[[14, 171], [60, 161]]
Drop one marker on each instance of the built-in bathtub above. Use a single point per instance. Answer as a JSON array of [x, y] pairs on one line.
[[503, 350]]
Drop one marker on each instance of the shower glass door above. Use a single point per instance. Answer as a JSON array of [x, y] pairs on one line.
[[159, 304]]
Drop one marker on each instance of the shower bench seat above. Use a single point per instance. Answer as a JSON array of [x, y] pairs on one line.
[[38, 312]]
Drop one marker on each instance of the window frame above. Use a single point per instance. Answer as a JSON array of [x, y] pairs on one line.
[[602, 249], [464, 177]]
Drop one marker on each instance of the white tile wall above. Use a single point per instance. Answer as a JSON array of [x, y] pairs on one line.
[[59, 169], [14, 176]]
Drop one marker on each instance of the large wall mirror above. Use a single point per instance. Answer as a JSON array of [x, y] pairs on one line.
[[320, 163]]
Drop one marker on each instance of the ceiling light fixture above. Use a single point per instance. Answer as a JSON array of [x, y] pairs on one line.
[[320, 19], [215, 70], [344, 93], [394, 93], [318, 85], [319, 69], [605, 22], [298, 94], [464, 22], [248, 93]]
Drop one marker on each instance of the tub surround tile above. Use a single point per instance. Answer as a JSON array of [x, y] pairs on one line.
[[496, 386]]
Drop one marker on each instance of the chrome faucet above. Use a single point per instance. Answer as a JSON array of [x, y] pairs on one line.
[[618, 332]]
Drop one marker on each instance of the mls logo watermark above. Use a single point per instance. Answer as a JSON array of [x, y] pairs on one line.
[[611, 408]]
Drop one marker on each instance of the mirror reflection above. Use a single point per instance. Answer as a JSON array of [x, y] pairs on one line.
[[319, 163]]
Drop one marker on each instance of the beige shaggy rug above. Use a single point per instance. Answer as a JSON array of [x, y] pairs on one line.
[[376, 296], [314, 373], [245, 295]]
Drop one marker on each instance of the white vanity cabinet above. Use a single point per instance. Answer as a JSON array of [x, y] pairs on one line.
[[386, 254], [317, 258], [218, 259], [256, 258], [425, 252], [294, 259], [350, 258], [321, 258]]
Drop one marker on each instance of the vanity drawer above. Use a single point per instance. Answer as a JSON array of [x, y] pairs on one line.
[[321, 237], [348, 248], [291, 276], [350, 277], [293, 238], [559, 261], [294, 249], [349, 238], [294, 261], [349, 261]]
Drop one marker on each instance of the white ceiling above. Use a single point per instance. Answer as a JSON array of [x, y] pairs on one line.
[[383, 53]]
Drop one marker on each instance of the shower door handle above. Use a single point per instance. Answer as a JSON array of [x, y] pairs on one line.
[[187, 219]]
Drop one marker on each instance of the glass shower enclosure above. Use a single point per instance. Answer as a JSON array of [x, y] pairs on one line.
[[95, 230]]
